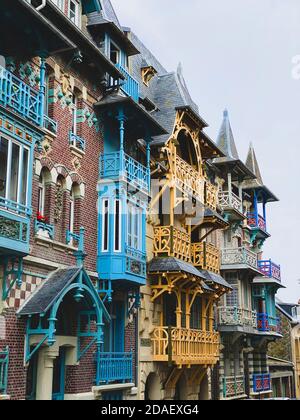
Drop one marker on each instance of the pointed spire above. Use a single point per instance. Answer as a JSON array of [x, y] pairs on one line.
[[252, 164], [225, 140]]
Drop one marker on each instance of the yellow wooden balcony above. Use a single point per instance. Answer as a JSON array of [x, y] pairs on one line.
[[188, 179], [211, 195], [206, 256], [172, 242], [183, 346]]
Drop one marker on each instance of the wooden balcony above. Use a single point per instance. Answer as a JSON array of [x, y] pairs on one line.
[[233, 387], [229, 201], [234, 316], [172, 242], [270, 269], [206, 256], [188, 179], [262, 382], [130, 87], [185, 346], [114, 368], [239, 256], [211, 195]]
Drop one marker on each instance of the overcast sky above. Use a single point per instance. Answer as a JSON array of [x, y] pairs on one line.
[[238, 55]]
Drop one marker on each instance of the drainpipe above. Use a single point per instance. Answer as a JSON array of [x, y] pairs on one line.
[[41, 6]]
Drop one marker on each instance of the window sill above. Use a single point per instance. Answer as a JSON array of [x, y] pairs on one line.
[[77, 152], [57, 246]]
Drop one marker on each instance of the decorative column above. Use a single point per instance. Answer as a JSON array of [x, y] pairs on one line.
[[43, 56], [230, 188], [44, 381], [121, 118]]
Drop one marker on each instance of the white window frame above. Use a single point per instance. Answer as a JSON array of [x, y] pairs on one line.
[[20, 170], [60, 4], [112, 43], [135, 220], [120, 225], [77, 18], [103, 223], [42, 194], [74, 117]]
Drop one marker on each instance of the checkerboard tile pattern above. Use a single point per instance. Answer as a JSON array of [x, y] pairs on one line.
[[18, 295]]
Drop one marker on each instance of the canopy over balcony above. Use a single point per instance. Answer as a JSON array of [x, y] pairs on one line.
[[23, 29]]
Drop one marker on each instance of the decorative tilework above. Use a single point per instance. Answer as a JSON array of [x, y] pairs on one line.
[[18, 295]]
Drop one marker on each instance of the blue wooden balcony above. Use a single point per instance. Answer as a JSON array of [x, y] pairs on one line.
[[46, 229], [76, 141], [261, 382], [255, 221], [270, 269], [20, 98], [119, 164], [114, 368], [14, 227], [4, 358], [50, 124], [131, 86], [266, 323]]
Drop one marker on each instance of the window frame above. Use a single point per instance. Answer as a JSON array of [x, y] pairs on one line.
[[20, 181], [77, 17], [104, 201], [119, 248]]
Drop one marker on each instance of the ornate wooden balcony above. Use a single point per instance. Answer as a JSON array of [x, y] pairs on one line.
[[211, 195], [114, 368], [4, 357], [14, 227], [188, 179], [269, 269], [117, 164], [172, 242], [228, 200], [131, 86], [185, 346], [206, 256], [233, 386], [239, 256], [261, 382], [19, 97], [266, 323], [255, 221], [234, 316]]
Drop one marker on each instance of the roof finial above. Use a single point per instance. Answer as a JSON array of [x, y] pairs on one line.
[[226, 113]]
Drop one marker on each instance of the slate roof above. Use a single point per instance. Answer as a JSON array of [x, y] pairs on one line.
[[215, 278], [45, 295], [174, 265], [226, 142]]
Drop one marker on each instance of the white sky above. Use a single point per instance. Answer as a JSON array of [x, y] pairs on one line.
[[238, 55]]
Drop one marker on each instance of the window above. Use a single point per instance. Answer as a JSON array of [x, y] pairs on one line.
[[134, 225], [59, 4], [105, 225], [117, 234], [114, 53], [74, 12], [41, 195], [14, 161], [74, 114], [72, 211]]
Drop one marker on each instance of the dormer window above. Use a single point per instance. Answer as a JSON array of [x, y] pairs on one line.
[[74, 12]]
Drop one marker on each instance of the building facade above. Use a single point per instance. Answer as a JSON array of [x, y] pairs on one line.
[[131, 259]]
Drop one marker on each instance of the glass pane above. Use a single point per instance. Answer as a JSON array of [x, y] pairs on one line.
[[24, 177], [105, 227], [3, 165], [14, 176], [117, 226], [130, 226]]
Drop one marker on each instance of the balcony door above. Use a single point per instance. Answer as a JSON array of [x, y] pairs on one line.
[[170, 306]]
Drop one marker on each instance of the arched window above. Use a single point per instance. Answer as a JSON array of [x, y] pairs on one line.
[[74, 214], [43, 208], [41, 195]]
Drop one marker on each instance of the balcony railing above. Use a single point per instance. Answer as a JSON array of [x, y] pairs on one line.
[[211, 195], [269, 269], [234, 316], [4, 359], [20, 97], [76, 141], [136, 262], [50, 124], [261, 382], [114, 368], [185, 346], [44, 228], [14, 226], [228, 200], [257, 222], [206, 256], [130, 86], [188, 179], [266, 323], [237, 256], [233, 386], [117, 164], [172, 242]]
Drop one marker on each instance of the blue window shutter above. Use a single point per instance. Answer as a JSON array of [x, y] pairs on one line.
[[90, 6]]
